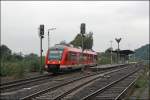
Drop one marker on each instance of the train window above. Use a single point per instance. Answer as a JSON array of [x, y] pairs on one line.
[[91, 58], [66, 58], [80, 57], [72, 56], [69, 56], [94, 58], [55, 54], [84, 57]]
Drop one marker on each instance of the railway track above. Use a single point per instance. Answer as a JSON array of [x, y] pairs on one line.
[[29, 82], [66, 91], [113, 90], [111, 87], [61, 90], [38, 86], [9, 86]]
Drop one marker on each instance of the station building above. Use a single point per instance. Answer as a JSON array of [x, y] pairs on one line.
[[123, 55]]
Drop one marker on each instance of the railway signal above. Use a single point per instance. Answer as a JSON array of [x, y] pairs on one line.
[[41, 30], [41, 50], [82, 28], [82, 31]]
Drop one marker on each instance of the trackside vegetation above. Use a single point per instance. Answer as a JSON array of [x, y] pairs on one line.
[[143, 80], [141, 85], [16, 64]]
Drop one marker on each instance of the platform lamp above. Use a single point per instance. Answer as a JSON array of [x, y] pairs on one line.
[[118, 41], [111, 51]]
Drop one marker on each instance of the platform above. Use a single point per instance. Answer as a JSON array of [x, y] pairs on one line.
[[104, 67]]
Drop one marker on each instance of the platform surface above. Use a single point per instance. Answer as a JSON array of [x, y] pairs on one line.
[[106, 66]]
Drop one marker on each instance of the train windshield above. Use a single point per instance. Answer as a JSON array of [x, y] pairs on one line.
[[55, 54]]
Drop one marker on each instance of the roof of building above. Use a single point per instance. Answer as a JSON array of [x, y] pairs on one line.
[[124, 52]]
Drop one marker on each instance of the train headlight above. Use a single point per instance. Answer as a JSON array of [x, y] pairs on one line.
[[46, 66]]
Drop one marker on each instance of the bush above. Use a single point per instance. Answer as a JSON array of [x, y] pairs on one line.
[[143, 79], [5, 69], [19, 69], [16, 65], [15, 69], [33, 66]]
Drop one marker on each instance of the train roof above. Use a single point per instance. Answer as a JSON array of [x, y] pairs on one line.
[[73, 49], [58, 46]]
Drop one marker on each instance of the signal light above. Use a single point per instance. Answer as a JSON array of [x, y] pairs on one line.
[[41, 29], [82, 28]]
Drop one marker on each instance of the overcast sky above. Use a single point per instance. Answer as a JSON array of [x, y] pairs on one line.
[[107, 20]]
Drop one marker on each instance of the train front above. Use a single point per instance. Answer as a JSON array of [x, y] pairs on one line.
[[53, 59]]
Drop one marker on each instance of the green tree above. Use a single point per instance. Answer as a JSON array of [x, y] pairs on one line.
[[32, 61], [5, 53], [16, 57], [77, 42], [87, 41], [143, 52], [31, 56]]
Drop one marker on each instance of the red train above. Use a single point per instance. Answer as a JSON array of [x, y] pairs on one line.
[[62, 57]]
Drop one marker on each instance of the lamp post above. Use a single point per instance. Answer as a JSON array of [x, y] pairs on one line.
[[118, 41], [48, 36], [111, 50]]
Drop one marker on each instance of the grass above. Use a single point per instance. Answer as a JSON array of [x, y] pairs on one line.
[[18, 69], [143, 82]]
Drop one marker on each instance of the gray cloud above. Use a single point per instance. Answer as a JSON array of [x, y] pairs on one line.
[[126, 19]]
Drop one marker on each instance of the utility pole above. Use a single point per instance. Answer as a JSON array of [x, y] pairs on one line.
[[48, 36], [111, 51], [41, 50], [118, 41]]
